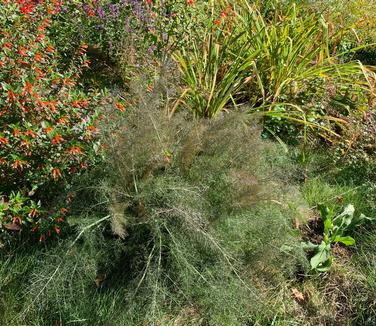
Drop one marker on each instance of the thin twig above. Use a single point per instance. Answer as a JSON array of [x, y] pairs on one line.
[[86, 228]]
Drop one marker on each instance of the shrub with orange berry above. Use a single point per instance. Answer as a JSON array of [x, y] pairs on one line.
[[47, 121]]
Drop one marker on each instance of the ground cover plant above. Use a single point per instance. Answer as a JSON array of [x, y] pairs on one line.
[[187, 162], [335, 228]]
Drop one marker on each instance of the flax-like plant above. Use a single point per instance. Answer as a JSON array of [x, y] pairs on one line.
[[294, 51], [213, 70], [296, 66], [285, 60]]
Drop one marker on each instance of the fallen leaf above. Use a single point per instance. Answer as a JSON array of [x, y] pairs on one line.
[[99, 280], [298, 296]]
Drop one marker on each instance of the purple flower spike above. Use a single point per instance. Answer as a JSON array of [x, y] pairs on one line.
[[101, 12]]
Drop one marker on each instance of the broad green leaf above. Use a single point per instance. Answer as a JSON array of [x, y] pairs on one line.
[[348, 241], [328, 225], [325, 266], [322, 256]]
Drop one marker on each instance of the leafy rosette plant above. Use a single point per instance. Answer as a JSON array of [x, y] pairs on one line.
[[335, 229], [47, 121]]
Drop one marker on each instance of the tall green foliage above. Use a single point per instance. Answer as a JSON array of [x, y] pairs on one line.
[[213, 71], [281, 65]]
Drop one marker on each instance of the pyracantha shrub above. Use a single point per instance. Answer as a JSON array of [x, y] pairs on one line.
[[47, 122]]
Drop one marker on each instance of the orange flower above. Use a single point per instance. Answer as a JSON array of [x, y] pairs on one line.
[[91, 128], [50, 49], [75, 150], [50, 10], [76, 104], [17, 220], [47, 130], [62, 120], [40, 102], [7, 45], [120, 106], [33, 212], [17, 165], [45, 23], [31, 133], [28, 88], [56, 173], [16, 132], [68, 81], [52, 105], [40, 73], [86, 63], [84, 103], [22, 51], [149, 88], [60, 220], [38, 57], [11, 96], [26, 144], [218, 21], [57, 139], [83, 48], [4, 140], [40, 37]]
